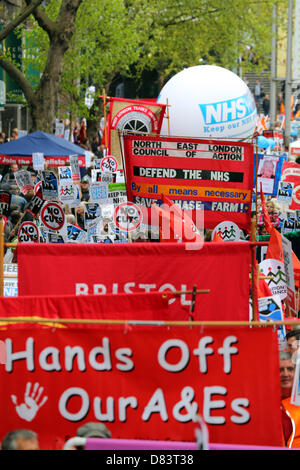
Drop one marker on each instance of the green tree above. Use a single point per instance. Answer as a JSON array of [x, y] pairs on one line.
[[57, 21], [77, 43]]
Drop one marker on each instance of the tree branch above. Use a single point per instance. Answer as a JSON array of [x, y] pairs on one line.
[[19, 78], [19, 19], [43, 20]]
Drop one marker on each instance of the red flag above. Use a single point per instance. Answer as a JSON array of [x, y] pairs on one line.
[[266, 217], [296, 266], [185, 227], [166, 222], [217, 238], [263, 289], [275, 250]]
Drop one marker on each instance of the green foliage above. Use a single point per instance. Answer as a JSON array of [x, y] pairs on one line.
[[130, 36]]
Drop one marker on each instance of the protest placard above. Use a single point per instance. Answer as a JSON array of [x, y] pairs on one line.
[[270, 309], [24, 181], [52, 216], [38, 161], [49, 185], [5, 200], [99, 192], [75, 168], [28, 233], [277, 282]]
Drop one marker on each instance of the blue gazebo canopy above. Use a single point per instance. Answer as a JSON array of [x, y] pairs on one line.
[[40, 142]]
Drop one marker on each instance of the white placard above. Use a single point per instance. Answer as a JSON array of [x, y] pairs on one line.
[[38, 161]]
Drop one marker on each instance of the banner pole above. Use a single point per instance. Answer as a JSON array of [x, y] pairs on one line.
[[104, 111], [2, 256], [148, 322], [168, 117], [256, 171]]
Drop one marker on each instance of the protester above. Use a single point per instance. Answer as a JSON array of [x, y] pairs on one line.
[[257, 94], [14, 134], [266, 105], [20, 439], [292, 339], [93, 429], [85, 191], [10, 176], [287, 372], [80, 215], [274, 217]]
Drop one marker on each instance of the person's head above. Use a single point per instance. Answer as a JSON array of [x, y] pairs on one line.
[[292, 339], [287, 371], [14, 189], [71, 219], [270, 206], [20, 439], [84, 184], [14, 134], [14, 167], [80, 208], [15, 216], [93, 429]]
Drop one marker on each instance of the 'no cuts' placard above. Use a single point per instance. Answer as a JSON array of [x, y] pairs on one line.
[[53, 216], [28, 233]]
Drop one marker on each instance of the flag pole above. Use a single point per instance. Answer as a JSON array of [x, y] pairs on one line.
[[168, 117], [104, 110]]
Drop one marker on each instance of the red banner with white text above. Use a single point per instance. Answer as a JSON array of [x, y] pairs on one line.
[[210, 175], [146, 383], [222, 269]]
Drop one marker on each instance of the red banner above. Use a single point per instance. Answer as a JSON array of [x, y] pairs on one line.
[[140, 306], [27, 160], [66, 269], [291, 173], [214, 176], [57, 380], [131, 115]]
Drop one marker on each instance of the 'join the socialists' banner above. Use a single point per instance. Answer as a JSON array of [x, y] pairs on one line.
[[214, 176], [57, 380]]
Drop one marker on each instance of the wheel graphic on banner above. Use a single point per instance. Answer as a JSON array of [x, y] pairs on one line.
[[296, 194], [28, 233], [135, 121], [136, 118], [128, 216], [109, 163], [53, 216]]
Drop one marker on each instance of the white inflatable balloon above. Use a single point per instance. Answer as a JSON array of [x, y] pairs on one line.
[[208, 101]]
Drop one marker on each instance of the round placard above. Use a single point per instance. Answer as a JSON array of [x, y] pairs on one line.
[[28, 233], [128, 216], [228, 231], [109, 163], [53, 216]]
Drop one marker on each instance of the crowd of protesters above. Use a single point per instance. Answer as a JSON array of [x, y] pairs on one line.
[[28, 440]]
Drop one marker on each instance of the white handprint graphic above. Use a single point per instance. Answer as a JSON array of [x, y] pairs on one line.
[[29, 409]]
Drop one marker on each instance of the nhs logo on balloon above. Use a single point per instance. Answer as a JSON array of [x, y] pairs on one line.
[[235, 117]]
